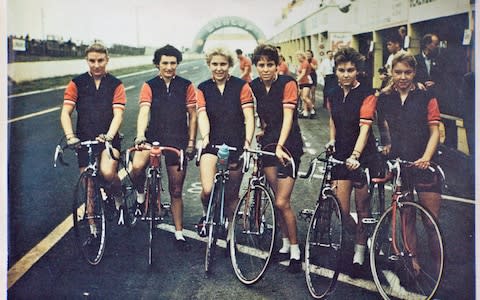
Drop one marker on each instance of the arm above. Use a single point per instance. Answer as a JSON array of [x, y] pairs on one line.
[[66, 120], [249, 125], [246, 71], [284, 133], [192, 125], [424, 161], [142, 120], [302, 74], [204, 127], [116, 122]]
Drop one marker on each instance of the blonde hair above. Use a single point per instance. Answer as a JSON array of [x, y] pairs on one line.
[[96, 47], [405, 58], [219, 51]]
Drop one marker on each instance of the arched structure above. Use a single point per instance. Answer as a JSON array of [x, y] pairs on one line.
[[223, 22]]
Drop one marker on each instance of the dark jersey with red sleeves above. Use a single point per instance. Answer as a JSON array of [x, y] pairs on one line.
[[348, 113], [94, 106], [225, 111], [408, 124], [270, 105], [168, 110]]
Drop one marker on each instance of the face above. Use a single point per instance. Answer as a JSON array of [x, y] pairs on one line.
[[346, 74], [219, 67], [97, 63], [432, 48], [309, 55], [267, 69], [393, 47], [330, 55], [402, 75], [167, 66], [300, 57]]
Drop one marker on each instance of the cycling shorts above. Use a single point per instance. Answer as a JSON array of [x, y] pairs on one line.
[[282, 171], [82, 153], [421, 180], [234, 160]]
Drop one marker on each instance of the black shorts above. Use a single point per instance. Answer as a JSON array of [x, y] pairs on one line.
[[313, 75], [233, 156], [282, 171], [82, 153], [172, 159], [421, 180], [358, 177]]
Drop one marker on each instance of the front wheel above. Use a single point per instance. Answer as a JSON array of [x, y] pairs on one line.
[[213, 224], [323, 248], [407, 254], [253, 234], [89, 218]]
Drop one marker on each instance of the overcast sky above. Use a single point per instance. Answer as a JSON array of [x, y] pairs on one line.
[[150, 22]]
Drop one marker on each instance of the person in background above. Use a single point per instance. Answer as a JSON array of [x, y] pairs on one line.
[[276, 97], [225, 116], [283, 66], [352, 110], [245, 66], [165, 102], [326, 68], [99, 99], [304, 83], [313, 74]]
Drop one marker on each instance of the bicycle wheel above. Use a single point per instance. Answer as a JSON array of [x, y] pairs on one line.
[[323, 248], [253, 234], [414, 269], [130, 201], [89, 218], [152, 190], [213, 225]]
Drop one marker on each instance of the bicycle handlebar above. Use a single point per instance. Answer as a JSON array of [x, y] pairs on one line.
[[147, 146], [313, 164], [58, 156], [247, 156]]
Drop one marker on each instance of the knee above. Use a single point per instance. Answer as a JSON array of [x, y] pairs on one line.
[[282, 204], [176, 192]]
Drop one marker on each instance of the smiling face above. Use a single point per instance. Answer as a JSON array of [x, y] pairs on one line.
[[167, 66], [267, 69], [219, 67], [347, 74], [97, 63], [402, 75]]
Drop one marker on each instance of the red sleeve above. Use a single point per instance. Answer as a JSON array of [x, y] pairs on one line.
[[433, 112], [191, 100], [290, 95], [145, 95], [367, 111], [201, 103], [246, 97], [71, 94], [119, 97]]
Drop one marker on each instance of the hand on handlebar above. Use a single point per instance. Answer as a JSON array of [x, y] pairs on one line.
[[104, 138], [330, 146], [352, 163], [282, 156], [422, 163], [139, 140], [190, 152], [73, 142]]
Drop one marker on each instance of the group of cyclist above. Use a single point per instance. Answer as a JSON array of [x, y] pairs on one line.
[[222, 110]]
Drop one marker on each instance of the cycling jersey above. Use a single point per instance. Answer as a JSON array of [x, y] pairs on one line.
[[408, 124], [168, 122]]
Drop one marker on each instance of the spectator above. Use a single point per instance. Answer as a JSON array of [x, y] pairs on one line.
[[313, 74], [283, 66], [245, 66], [327, 71], [304, 83]]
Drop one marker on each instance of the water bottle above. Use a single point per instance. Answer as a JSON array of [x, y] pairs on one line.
[[222, 154]]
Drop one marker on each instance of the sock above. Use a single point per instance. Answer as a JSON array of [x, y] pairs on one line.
[[305, 113], [179, 235], [294, 252], [140, 197], [359, 255], [93, 230], [285, 246]]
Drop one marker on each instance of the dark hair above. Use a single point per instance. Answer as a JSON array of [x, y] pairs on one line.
[[279, 48], [427, 39], [394, 38], [238, 51], [268, 51], [310, 51], [349, 54], [167, 50]]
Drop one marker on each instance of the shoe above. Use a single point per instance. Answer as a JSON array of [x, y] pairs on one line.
[[110, 210], [227, 250], [139, 210], [278, 256], [295, 266], [182, 245], [358, 271], [201, 227]]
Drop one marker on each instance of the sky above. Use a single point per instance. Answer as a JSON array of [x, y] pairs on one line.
[[133, 22]]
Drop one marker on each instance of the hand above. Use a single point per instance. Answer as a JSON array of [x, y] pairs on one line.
[[140, 140], [422, 163], [282, 156], [205, 141], [73, 142], [352, 163], [190, 152], [421, 86], [386, 149], [330, 146], [429, 84], [104, 138]]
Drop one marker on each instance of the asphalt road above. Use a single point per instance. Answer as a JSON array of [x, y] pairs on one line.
[[43, 262]]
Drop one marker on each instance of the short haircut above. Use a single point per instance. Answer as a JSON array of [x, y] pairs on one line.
[[394, 38], [219, 51], [329, 51], [96, 47], [279, 48], [238, 51], [426, 40], [300, 52], [167, 50], [310, 51], [349, 54], [405, 58], [268, 51]]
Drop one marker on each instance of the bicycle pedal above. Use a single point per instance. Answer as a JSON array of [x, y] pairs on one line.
[[166, 205], [369, 221], [306, 213]]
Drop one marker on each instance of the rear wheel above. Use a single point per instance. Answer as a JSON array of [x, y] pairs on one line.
[[414, 269], [253, 234], [89, 218], [323, 248]]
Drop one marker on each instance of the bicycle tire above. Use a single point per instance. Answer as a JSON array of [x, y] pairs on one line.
[[213, 225], [253, 234], [89, 219], [324, 247], [153, 191], [130, 201], [392, 271]]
